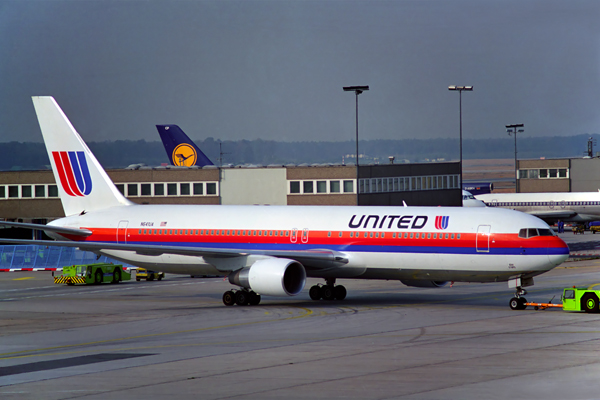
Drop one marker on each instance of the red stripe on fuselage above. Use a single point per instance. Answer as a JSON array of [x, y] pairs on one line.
[[467, 240]]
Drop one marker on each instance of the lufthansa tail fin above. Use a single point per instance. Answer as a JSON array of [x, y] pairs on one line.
[[180, 148], [82, 182]]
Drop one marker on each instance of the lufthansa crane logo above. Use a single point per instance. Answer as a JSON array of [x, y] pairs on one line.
[[184, 155]]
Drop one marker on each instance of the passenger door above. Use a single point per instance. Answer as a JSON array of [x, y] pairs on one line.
[[122, 232], [483, 239]]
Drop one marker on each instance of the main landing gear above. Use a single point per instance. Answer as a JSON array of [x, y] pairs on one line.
[[328, 291], [518, 302], [242, 297]]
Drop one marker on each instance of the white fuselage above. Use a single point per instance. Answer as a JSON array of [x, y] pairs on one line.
[[473, 244], [568, 206]]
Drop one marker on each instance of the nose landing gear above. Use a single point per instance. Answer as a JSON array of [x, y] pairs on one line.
[[518, 302]]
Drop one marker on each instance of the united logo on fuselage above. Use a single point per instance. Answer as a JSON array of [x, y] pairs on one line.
[[184, 155], [441, 222], [73, 172]]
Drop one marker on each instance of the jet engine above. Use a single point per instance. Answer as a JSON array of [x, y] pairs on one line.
[[272, 277], [423, 283]]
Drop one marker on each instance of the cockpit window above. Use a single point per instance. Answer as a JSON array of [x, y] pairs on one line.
[[533, 232], [546, 232]]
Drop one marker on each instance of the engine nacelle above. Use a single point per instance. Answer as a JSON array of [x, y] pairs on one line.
[[272, 277], [423, 283]]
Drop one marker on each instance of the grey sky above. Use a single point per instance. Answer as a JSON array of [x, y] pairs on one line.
[[275, 69]]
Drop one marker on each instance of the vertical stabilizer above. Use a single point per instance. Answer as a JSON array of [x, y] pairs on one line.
[[82, 183], [180, 148]]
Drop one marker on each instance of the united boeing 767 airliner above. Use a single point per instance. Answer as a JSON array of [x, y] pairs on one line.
[[271, 250]]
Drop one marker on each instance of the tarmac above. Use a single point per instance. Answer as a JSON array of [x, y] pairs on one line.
[[174, 339]]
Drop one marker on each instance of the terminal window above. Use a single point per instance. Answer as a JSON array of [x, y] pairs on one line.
[[184, 189], [334, 186], [13, 191], [52, 191], [307, 187], [211, 188], [146, 189], [132, 189], [2, 192], [198, 188], [294, 187], [40, 191], [159, 189], [26, 191], [348, 186]]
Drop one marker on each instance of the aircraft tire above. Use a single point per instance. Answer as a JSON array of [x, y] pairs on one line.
[[229, 298], [241, 298], [522, 301], [339, 292], [315, 293], [253, 299], [514, 303], [327, 292]]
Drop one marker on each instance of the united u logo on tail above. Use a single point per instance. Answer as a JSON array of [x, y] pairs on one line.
[[73, 172], [441, 222]]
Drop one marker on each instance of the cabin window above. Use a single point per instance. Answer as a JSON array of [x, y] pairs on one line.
[[452, 236], [458, 236], [382, 235], [411, 235], [328, 234], [446, 237], [429, 236], [340, 234], [366, 234]]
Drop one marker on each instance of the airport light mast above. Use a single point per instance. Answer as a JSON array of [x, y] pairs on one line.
[[512, 131], [460, 89], [357, 90]]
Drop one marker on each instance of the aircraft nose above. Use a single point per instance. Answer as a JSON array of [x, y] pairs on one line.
[[558, 251]]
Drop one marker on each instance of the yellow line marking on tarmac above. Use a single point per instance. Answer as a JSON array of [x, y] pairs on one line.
[[8, 356], [22, 279], [592, 286]]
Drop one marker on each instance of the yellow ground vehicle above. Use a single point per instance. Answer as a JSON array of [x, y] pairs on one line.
[[148, 275], [93, 274]]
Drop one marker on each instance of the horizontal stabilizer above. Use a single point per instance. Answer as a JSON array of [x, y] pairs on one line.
[[47, 228]]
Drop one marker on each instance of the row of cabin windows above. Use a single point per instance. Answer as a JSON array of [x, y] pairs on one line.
[[212, 232], [407, 184], [543, 173], [28, 191], [217, 232], [168, 189], [544, 203], [321, 186]]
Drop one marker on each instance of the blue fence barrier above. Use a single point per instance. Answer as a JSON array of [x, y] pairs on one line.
[[30, 256]]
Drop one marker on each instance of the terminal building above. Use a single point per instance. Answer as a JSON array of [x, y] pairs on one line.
[[32, 196], [559, 175]]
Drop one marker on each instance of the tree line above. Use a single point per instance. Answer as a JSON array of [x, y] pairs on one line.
[[122, 153]]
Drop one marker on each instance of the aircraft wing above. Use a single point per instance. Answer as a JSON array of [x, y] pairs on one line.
[[47, 228], [314, 258], [553, 214]]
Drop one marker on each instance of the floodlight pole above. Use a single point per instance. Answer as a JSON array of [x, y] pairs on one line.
[[460, 89], [357, 90], [513, 129]]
